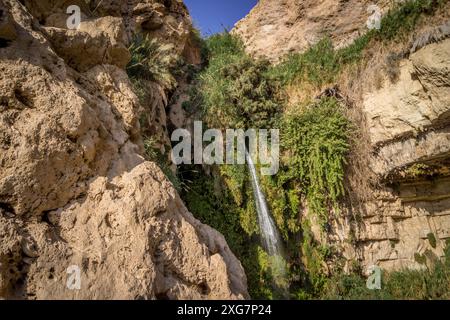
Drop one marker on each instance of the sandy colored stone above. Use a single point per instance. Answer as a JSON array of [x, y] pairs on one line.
[[7, 28], [407, 122], [75, 189], [419, 99], [94, 42], [275, 28]]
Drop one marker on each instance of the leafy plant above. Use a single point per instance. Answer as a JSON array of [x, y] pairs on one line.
[[404, 17], [224, 202], [432, 240], [317, 143], [421, 259], [432, 284], [417, 170], [151, 60], [318, 65], [235, 91], [426, 284]]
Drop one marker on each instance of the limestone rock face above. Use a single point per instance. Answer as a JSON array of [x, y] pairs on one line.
[[408, 123], [75, 190], [275, 28], [415, 108], [419, 99], [406, 214], [133, 238]]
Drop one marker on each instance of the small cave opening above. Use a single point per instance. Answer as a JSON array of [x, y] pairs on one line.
[[7, 208], [4, 43]]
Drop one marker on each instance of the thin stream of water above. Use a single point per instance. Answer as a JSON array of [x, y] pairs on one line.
[[270, 235]]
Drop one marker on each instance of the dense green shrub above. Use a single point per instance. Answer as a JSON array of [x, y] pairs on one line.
[[430, 283], [151, 60], [238, 92], [318, 65], [403, 18], [235, 91], [432, 240], [317, 143], [225, 202], [285, 204]]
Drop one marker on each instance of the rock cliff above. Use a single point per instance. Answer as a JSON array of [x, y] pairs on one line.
[[403, 118], [275, 28], [408, 127], [75, 189]]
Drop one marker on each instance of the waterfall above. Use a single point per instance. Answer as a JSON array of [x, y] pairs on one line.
[[269, 232], [270, 236]]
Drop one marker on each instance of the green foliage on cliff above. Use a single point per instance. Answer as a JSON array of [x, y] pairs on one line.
[[317, 143], [224, 201], [432, 283], [235, 91], [403, 18], [314, 144], [152, 60], [318, 65]]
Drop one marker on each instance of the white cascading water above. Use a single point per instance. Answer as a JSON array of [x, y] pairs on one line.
[[271, 237]]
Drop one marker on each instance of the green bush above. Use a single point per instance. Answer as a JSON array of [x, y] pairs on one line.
[[403, 18], [318, 65], [235, 91], [239, 92], [317, 144], [419, 258], [314, 256], [151, 60], [432, 283], [432, 240], [314, 144], [321, 64], [225, 202]]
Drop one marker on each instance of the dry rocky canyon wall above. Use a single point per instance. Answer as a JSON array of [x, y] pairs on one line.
[[276, 28], [409, 128], [75, 188]]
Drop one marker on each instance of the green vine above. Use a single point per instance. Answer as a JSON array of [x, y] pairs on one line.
[[317, 143]]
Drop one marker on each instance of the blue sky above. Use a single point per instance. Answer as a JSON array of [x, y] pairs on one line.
[[211, 16]]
